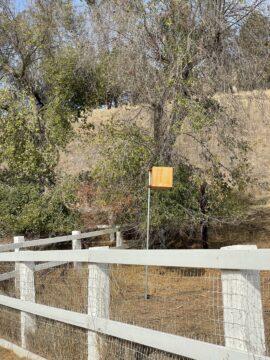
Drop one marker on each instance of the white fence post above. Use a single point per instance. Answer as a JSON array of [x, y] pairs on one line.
[[27, 292], [25, 287], [119, 237], [76, 245], [242, 308], [98, 303], [17, 239]]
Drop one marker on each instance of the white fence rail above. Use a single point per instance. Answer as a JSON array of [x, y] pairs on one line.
[[238, 266], [239, 259], [76, 236], [174, 344]]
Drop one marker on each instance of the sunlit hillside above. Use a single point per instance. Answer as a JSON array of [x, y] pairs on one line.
[[252, 108]]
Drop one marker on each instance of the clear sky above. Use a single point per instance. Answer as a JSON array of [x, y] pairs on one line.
[[21, 4]]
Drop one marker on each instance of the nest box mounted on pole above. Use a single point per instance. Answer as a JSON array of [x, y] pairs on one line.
[[160, 178]]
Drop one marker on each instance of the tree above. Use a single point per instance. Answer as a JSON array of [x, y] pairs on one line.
[[173, 57], [25, 210], [25, 42], [45, 86], [166, 50], [124, 150], [254, 41]]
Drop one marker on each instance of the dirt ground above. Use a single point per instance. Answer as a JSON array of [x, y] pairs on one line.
[[8, 355]]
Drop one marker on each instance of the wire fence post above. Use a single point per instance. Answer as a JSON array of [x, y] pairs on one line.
[[146, 296], [242, 308], [27, 293], [119, 237], [98, 303], [17, 240], [76, 245]]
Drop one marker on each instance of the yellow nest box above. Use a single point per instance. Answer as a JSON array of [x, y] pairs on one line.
[[161, 177]]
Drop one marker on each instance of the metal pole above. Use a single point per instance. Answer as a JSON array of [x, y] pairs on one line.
[[147, 235]]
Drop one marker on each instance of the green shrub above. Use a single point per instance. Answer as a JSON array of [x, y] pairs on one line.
[[121, 177], [25, 209]]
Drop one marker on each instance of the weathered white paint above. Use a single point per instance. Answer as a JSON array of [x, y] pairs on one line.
[[27, 293], [174, 344], [39, 267], [55, 240], [77, 245], [242, 308], [119, 237], [20, 352], [49, 265], [98, 302], [17, 240], [257, 259], [233, 258], [112, 235], [8, 275]]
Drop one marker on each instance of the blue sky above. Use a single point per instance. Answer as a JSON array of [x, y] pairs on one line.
[[21, 4]]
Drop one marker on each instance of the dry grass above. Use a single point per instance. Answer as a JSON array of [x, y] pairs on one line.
[[8, 355]]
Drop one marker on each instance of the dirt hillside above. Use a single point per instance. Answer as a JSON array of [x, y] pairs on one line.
[[253, 109]]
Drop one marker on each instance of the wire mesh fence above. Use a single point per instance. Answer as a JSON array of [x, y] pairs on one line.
[[124, 350], [189, 302]]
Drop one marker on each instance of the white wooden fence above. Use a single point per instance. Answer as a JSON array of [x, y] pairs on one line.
[[76, 239], [240, 266]]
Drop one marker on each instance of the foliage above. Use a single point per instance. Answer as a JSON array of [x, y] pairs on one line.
[[25, 209], [173, 57], [39, 100], [121, 176], [125, 151], [75, 83], [168, 56], [254, 34], [23, 153], [254, 41]]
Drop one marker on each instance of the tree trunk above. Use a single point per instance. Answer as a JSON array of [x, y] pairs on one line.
[[116, 102], [204, 222], [158, 116], [164, 136]]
